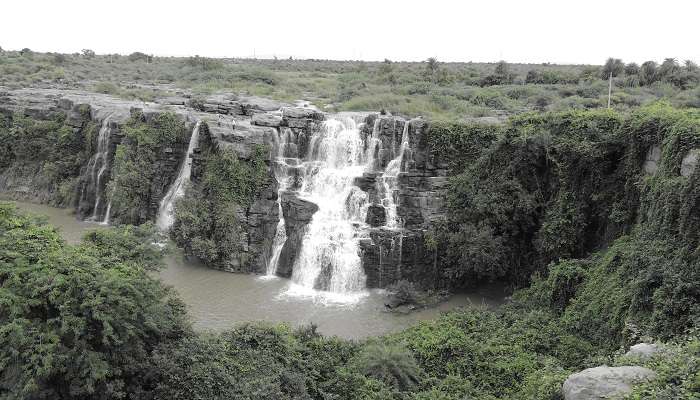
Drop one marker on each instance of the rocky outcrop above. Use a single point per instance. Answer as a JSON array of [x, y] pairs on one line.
[[605, 382], [297, 215], [689, 162], [652, 160], [644, 350]]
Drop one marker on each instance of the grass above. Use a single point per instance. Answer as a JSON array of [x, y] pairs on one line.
[[451, 92]]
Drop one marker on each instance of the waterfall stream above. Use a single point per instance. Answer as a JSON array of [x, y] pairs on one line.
[[390, 182], [165, 217], [329, 259], [97, 166]]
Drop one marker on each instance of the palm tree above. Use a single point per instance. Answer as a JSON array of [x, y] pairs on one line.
[[391, 364]]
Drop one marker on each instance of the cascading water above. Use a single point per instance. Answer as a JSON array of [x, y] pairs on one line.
[[281, 168], [165, 217], [97, 166], [390, 181], [329, 259]]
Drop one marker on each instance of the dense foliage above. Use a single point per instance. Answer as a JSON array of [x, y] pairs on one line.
[[45, 155], [208, 218], [140, 176], [78, 322]]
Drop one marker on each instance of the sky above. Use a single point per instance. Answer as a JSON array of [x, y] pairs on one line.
[[529, 31]]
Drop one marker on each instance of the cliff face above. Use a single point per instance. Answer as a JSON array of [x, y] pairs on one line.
[[242, 126]]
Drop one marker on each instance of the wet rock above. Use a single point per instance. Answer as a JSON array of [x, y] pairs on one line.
[[605, 382], [376, 215], [689, 162], [651, 163], [265, 119], [297, 215]]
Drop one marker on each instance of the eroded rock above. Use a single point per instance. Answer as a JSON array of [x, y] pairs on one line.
[[605, 382], [690, 161]]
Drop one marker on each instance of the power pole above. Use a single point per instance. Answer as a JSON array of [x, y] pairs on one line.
[[609, 89]]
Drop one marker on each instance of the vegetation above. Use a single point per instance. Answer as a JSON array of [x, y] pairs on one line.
[[140, 173], [454, 91], [603, 253], [45, 154], [207, 219]]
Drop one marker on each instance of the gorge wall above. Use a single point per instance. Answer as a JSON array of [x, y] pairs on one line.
[[251, 203]]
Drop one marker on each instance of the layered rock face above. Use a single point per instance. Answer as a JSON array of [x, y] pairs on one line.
[[100, 120], [404, 187], [400, 252]]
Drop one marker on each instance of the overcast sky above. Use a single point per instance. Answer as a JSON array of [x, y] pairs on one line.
[[559, 31]]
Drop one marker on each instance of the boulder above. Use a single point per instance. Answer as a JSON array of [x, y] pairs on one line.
[[265, 119], [651, 163], [644, 350], [605, 382], [297, 214], [690, 161], [301, 113]]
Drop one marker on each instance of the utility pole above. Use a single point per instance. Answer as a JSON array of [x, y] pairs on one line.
[[609, 89]]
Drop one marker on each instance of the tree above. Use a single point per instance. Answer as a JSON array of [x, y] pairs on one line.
[[87, 53], [431, 67], [386, 68], [648, 73], [631, 69], [25, 52], [500, 76], [689, 64], [137, 55], [78, 322], [391, 364], [612, 65], [668, 69]]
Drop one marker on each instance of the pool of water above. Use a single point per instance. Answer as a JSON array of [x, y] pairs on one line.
[[218, 300]]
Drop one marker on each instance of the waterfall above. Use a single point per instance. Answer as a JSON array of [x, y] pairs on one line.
[[97, 166], [329, 258], [390, 182], [281, 140], [165, 216], [109, 210]]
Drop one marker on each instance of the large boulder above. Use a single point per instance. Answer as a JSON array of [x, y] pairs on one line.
[[297, 215], [266, 119], [651, 163], [605, 382], [689, 162], [644, 350]]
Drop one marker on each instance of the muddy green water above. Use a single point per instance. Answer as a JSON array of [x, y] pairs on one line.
[[218, 300]]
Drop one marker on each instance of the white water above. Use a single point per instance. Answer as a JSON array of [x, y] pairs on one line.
[[329, 264], [109, 211], [329, 258], [390, 182], [282, 140], [165, 211], [100, 157]]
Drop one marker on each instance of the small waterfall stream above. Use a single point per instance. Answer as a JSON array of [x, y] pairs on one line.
[[390, 182], [281, 171], [165, 217], [97, 166]]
